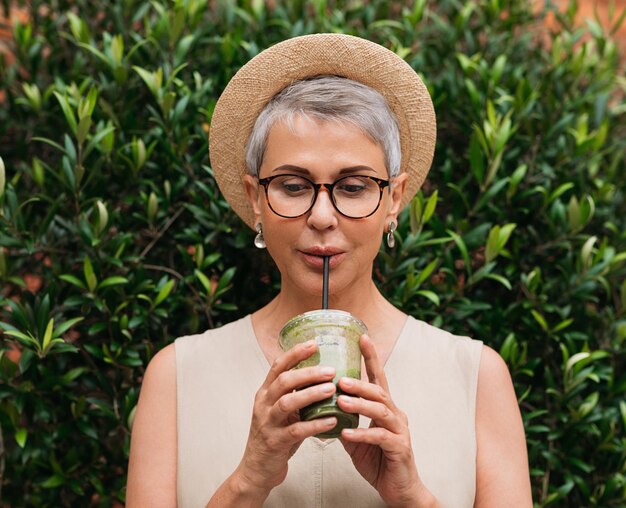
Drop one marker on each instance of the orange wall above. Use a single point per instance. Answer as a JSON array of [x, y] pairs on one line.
[[589, 9]]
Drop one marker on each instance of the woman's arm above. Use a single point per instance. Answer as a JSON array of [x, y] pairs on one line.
[[275, 432], [502, 476], [382, 453], [152, 463], [153, 451]]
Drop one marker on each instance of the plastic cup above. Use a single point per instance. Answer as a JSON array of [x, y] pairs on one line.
[[337, 334]]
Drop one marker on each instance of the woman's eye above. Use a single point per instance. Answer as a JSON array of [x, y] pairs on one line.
[[294, 186], [351, 186]]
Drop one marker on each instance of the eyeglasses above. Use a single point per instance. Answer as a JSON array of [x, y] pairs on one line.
[[354, 196]]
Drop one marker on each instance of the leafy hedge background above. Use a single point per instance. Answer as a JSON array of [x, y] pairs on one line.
[[114, 238]]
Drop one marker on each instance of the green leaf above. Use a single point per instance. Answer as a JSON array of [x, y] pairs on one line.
[[588, 404], [102, 217], [73, 374], [425, 273], [496, 240], [461, 245], [67, 111], [131, 418], [573, 213], [96, 52], [150, 79], [561, 189], [27, 340], [429, 295], [113, 281], [505, 234], [517, 176], [72, 280], [540, 319], [49, 142], [577, 358], [164, 292], [65, 326], [78, 27], [153, 206], [47, 337], [204, 281], [3, 178], [415, 212], [491, 250], [509, 348], [477, 159], [21, 435], [117, 49], [562, 325], [499, 278], [430, 207], [56, 480], [224, 281], [83, 129], [90, 276]]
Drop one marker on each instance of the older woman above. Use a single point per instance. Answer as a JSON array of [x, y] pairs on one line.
[[318, 143]]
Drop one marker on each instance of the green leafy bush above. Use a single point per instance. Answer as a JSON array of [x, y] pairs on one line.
[[114, 238]]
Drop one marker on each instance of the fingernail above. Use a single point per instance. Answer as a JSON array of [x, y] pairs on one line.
[[348, 431], [327, 388], [329, 421], [347, 381], [327, 371], [346, 399], [309, 344]]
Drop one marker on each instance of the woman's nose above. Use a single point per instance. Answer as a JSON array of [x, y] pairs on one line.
[[323, 215]]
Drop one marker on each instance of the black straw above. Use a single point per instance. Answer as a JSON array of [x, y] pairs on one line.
[[325, 286]]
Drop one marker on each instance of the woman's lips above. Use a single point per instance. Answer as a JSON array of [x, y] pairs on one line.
[[316, 261]]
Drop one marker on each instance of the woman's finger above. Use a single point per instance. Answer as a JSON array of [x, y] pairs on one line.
[[380, 414], [289, 359], [299, 431], [390, 443], [295, 379], [293, 401], [366, 390], [373, 367]]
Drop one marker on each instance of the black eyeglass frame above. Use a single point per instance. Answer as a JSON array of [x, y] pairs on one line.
[[382, 183]]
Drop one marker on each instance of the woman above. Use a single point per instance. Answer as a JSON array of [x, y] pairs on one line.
[[318, 143]]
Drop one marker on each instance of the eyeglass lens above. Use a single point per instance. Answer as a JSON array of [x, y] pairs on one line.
[[353, 196]]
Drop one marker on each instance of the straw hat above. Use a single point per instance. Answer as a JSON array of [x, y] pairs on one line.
[[351, 57]]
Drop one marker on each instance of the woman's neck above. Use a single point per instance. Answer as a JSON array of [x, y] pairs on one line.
[[382, 319]]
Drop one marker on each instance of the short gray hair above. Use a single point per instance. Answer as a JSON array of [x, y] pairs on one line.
[[329, 98]]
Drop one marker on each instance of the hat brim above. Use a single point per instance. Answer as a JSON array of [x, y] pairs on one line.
[[254, 85]]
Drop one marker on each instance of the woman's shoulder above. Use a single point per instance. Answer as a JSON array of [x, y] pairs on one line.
[[230, 330], [438, 336], [223, 342]]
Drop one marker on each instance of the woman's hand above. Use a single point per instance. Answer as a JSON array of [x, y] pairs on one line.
[[382, 453], [276, 431]]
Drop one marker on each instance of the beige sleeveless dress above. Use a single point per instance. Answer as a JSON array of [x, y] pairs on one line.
[[432, 377]]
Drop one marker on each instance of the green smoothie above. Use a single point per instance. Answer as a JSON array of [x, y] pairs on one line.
[[337, 334]]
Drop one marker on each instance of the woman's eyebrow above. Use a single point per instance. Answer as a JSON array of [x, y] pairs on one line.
[[305, 171], [291, 167], [357, 169]]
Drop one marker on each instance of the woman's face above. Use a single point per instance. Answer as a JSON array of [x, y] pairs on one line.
[[323, 152]]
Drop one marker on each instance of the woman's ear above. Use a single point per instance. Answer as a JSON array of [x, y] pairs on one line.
[[252, 192], [398, 188]]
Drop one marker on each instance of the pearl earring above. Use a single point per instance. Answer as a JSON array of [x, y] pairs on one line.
[[259, 241], [391, 241]]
